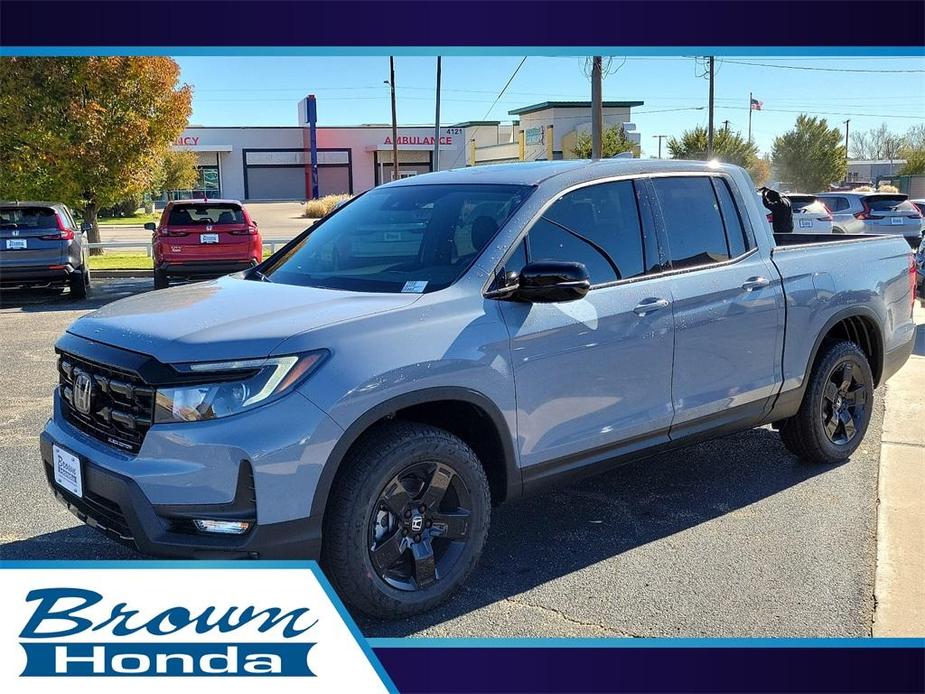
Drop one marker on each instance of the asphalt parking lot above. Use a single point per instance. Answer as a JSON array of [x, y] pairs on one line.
[[734, 537]]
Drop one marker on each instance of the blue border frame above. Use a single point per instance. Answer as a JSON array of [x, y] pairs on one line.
[[311, 565]]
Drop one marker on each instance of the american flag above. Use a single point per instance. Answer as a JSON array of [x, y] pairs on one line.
[[756, 105]]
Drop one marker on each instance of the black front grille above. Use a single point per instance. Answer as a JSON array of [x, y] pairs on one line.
[[120, 407]]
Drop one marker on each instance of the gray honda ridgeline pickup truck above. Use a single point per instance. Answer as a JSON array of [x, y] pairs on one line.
[[448, 342]]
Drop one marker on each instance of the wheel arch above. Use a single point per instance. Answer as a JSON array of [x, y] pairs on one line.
[[857, 324], [490, 438]]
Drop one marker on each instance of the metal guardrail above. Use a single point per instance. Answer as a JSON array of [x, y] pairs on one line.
[[146, 245]]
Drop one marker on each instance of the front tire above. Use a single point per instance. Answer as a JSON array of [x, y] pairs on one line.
[[836, 407], [406, 521]]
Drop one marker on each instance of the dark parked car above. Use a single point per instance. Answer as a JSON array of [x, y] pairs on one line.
[[40, 246]]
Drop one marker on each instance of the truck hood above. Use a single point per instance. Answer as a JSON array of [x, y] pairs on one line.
[[228, 318]]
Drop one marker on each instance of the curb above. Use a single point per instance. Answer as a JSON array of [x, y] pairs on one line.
[[121, 274]]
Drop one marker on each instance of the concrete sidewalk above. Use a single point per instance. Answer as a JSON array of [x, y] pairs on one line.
[[900, 580]]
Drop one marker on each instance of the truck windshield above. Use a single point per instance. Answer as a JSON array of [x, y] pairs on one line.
[[415, 238]]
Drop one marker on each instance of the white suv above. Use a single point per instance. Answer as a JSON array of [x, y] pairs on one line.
[[875, 213]]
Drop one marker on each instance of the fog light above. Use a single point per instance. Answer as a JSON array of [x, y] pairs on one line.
[[222, 527]]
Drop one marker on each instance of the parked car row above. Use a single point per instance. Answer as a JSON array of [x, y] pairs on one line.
[[847, 212], [41, 244]]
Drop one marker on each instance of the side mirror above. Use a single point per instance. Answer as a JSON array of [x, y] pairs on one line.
[[547, 282], [86, 227], [150, 226]]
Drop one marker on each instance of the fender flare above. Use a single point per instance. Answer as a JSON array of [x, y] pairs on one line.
[[418, 397]]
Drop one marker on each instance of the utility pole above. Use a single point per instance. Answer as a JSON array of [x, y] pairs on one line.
[[710, 117], [394, 117], [660, 138], [437, 123], [726, 125], [597, 108], [846, 138]]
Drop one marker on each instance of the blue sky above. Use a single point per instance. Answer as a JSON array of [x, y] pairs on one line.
[[351, 91]]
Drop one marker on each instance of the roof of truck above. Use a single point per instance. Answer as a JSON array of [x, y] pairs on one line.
[[533, 173]]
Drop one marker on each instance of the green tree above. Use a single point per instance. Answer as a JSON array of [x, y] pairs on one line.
[[915, 162], [728, 146], [177, 171], [613, 142], [810, 157], [90, 132]]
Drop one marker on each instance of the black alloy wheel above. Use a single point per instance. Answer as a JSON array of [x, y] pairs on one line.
[[844, 403], [420, 526]]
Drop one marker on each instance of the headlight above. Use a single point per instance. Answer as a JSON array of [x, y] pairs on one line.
[[232, 386]]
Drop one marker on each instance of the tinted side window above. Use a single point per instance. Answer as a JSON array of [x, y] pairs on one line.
[[692, 221], [735, 232], [604, 215]]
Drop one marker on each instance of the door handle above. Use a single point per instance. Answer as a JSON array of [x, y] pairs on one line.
[[753, 283], [647, 305]]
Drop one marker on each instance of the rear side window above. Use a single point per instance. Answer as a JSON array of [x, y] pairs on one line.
[[28, 218], [188, 215], [693, 222], [836, 204], [596, 225], [735, 231]]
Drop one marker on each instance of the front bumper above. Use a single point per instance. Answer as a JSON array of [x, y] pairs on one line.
[[115, 505], [262, 465]]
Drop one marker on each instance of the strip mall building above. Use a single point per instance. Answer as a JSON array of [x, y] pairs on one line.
[[273, 163]]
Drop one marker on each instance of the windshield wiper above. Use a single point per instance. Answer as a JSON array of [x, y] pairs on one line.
[[260, 276]]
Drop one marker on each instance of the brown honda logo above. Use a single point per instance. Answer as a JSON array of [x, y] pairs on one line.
[[83, 391]]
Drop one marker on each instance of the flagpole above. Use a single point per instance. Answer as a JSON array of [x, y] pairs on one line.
[[749, 118]]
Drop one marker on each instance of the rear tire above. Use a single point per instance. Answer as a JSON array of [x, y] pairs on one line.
[[836, 407], [392, 565], [161, 280], [79, 282]]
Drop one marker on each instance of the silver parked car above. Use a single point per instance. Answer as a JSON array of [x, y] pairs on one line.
[[874, 213], [810, 215], [42, 246]]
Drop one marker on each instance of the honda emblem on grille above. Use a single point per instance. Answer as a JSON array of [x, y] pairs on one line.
[[83, 391]]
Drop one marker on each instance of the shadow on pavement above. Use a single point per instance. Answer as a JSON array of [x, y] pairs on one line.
[[539, 539], [45, 300], [919, 346], [542, 538]]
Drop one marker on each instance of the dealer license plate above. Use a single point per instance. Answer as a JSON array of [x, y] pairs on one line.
[[806, 224], [897, 220], [16, 244], [67, 471], [208, 238]]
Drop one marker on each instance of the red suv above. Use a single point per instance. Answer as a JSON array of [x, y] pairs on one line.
[[202, 239]]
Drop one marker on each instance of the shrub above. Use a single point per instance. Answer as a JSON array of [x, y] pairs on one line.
[[322, 206]]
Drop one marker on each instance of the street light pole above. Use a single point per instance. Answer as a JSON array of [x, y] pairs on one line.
[[394, 118], [597, 107], [660, 138]]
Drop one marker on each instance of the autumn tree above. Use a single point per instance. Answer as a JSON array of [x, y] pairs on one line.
[[613, 142], [88, 131], [176, 171], [810, 157], [876, 143]]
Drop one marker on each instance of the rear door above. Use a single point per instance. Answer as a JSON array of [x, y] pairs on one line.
[[32, 237], [206, 232], [728, 306]]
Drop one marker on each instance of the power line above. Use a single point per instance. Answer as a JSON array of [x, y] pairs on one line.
[[824, 69], [504, 88]]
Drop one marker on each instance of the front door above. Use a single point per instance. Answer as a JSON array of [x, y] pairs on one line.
[[592, 377]]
